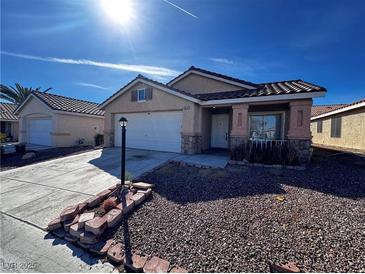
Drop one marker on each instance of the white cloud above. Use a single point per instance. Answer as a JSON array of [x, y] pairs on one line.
[[222, 60], [151, 70], [90, 85]]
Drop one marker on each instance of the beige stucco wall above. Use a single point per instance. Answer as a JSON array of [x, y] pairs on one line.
[[194, 84], [161, 101], [67, 129], [352, 131]]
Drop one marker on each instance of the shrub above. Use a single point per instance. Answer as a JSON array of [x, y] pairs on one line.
[[266, 152], [109, 204]]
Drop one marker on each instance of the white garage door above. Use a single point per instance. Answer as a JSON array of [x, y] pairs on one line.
[[39, 132], [151, 130]]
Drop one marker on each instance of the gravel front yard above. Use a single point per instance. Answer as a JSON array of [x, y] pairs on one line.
[[229, 220]]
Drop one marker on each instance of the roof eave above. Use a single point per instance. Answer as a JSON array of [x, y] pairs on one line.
[[337, 111], [265, 98], [151, 83]]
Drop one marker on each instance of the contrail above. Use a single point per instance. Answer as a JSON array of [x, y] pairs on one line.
[[151, 70], [90, 85], [180, 8]]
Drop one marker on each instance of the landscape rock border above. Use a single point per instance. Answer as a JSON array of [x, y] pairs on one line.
[[86, 228]]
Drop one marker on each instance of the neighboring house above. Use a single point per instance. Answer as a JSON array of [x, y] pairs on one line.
[[9, 122], [200, 110], [58, 121], [339, 126]]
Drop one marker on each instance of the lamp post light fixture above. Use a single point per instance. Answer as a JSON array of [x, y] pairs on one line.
[[123, 123]]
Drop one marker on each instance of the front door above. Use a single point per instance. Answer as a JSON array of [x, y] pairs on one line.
[[219, 137]]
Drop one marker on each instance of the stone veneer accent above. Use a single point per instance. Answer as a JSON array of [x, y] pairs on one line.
[[191, 144], [303, 147], [304, 150], [237, 141]]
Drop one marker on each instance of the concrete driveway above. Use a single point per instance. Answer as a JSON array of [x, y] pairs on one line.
[[37, 193]]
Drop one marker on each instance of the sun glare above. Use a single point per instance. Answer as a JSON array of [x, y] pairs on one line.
[[119, 11]]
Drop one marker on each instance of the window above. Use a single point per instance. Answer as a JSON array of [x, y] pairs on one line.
[[141, 95], [319, 126], [336, 127], [265, 127]]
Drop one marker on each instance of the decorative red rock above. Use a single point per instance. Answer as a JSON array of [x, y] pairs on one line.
[[76, 230], [116, 253], [82, 207], [88, 238], [96, 225], [67, 224], [129, 206], [137, 262], [178, 269], [69, 213], [138, 198], [113, 217], [84, 246], [93, 201], [54, 224], [147, 192], [101, 248], [70, 238], [289, 267], [84, 217], [156, 265], [104, 194]]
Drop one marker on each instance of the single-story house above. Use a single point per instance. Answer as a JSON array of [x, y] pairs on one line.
[[58, 121], [339, 126], [9, 122], [200, 110]]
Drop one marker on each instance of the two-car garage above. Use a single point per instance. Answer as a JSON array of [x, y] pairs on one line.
[[151, 130]]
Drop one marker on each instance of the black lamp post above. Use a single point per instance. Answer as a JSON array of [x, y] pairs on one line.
[[123, 123]]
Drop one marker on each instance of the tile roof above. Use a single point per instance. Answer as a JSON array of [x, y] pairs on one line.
[[7, 112], [318, 110], [62, 103], [322, 109], [264, 89], [229, 78], [274, 88]]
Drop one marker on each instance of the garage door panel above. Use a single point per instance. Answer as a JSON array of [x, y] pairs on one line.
[[39, 132], [153, 131]]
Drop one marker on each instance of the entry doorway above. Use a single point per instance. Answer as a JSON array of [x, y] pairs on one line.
[[220, 128]]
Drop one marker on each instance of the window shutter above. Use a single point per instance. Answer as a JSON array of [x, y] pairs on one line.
[[148, 93], [134, 95]]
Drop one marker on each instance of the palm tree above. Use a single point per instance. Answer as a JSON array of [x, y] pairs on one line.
[[17, 94]]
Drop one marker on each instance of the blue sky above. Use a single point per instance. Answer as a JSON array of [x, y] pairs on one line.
[[77, 48]]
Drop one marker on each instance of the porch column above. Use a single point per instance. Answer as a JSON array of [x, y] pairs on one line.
[[191, 136], [299, 120], [239, 132], [299, 133], [108, 129]]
